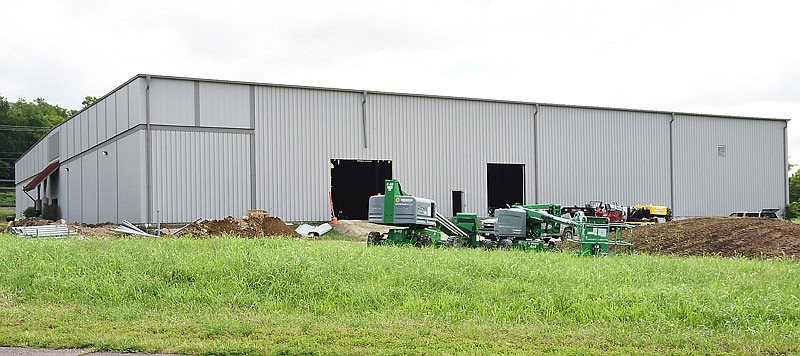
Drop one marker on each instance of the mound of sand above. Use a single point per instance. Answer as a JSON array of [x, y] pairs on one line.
[[722, 236], [359, 228]]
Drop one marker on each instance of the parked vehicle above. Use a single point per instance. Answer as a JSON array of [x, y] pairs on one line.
[[764, 213]]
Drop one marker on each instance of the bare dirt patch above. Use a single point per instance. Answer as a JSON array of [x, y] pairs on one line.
[[246, 227], [721, 236], [359, 228]]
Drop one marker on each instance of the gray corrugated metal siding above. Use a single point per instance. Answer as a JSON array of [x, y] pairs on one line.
[[605, 155], [200, 174], [747, 177], [436, 144]]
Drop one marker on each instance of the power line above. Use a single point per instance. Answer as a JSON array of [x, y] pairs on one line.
[[23, 128]]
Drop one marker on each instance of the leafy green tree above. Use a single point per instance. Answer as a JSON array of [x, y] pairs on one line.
[[794, 187], [88, 100], [22, 124]]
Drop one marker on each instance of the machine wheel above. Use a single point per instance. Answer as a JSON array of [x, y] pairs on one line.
[[374, 238], [424, 241], [487, 245], [505, 244], [567, 235], [454, 241], [668, 218], [596, 249]]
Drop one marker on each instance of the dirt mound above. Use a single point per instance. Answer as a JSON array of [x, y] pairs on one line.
[[31, 222], [358, 228], [722, 236], [246, 227]]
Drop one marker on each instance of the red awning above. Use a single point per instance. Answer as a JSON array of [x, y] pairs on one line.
[[41, 176]]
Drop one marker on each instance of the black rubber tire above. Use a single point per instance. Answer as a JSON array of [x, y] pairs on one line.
[[568, 234], [373, 238], [505, 244], [424, 241], [454, 241], [487, 245]]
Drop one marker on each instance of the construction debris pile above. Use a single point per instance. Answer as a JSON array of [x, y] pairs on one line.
[[36, 227], [244, 227], [720, 236]]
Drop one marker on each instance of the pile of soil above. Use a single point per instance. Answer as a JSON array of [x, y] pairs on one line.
[[245, 227], [358, 228], [32, 222], [721, 236]]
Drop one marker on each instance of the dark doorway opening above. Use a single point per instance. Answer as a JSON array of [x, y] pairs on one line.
[[353, 182], [505, 185], [458, 202]]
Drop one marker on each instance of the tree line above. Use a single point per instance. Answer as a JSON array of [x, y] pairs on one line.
[[793, 209], [22, 124]]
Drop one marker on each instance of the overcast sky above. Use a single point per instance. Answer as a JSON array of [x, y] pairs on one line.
[[718, 57]]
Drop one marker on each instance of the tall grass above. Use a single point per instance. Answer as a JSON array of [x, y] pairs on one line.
[[8, 199], [234, 296]]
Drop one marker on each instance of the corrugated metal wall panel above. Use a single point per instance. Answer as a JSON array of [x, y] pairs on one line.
[[297, 133], [614, 156], [22, 201], [111, 115], [102, 135], [103, 120], [137, 102], [18, 167], [436, 145], [744, 179], [69, 139], [89, 191], [93, 126], [121, 99], [131, 173], [82, 126], [53, 142], [63, 191], [107, 187], [200, 174], [73, 192], [224, 105], [447, 143], [172, 102]]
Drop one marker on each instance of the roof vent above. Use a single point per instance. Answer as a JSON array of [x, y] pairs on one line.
[[721, 151]]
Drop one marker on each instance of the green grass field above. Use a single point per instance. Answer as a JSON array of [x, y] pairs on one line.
[[279, 296], [8, 199]]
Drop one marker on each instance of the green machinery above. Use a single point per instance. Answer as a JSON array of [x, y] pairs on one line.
[[416, 217], [528, 227], [596, 236], [538, 227]]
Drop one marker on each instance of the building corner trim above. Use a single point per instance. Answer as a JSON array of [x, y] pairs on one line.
[[148, 152], [671, 168]]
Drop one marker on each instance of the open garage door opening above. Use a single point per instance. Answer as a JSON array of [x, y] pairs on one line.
[[505, 185], [353, 182]]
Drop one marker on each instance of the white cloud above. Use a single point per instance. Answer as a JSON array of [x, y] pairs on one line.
[[720, 57]]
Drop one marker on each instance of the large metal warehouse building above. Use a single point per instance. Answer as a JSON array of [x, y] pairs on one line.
[[181, 148]]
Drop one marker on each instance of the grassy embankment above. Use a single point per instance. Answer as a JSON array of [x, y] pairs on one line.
[[7, 202], [237, 296]]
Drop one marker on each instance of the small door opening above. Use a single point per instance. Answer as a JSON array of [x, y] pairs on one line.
[[458, 202], [505, 185], [353, 182]]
